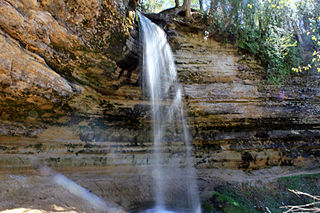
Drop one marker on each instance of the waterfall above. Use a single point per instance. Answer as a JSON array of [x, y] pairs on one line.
[[175, 187]]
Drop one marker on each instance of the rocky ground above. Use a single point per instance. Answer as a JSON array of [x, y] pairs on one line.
[[221, 190]]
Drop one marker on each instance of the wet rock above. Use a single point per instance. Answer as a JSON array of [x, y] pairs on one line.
[[61, 71]]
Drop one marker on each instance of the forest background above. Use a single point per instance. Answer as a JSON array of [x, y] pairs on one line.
[[284, 35]]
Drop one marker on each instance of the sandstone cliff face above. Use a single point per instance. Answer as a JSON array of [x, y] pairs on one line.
[[54, 52], [62, 105], [239, 122], [59, 90]]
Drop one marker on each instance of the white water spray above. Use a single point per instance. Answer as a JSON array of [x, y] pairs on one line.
[[174, 175], [80, 191]]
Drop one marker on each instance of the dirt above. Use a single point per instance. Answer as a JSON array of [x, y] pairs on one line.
[[48, 192], [262, 175], [34, 193], [39, 192]]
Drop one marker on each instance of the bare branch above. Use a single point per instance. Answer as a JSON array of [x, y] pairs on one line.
[[310, 207]]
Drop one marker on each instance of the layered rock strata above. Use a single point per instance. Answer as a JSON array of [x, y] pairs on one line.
[[62, 104], [236, 121]]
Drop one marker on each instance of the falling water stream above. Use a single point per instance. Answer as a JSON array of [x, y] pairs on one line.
[[175, 187]]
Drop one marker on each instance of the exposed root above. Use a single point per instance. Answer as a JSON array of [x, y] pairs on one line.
[[177, 11]]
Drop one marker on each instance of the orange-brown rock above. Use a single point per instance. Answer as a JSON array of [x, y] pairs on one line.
[[237, 121], [61, 104], [60, 54]]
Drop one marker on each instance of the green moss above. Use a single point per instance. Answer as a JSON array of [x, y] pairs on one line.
[[33, 114], [228, 199], [256, 198], [307, 183]]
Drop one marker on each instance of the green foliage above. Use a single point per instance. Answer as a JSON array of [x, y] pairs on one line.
[[155, 6], [283, 34], [258, 197], [279, 32], [306, 183], [229, 200]]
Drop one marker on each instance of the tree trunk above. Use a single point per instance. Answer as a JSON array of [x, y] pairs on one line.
[[187, 7], [201, 5], [298, 32], [177, 3]]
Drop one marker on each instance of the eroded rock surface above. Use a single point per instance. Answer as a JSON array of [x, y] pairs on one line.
[[237, 121], [58, 54], [62, 105]]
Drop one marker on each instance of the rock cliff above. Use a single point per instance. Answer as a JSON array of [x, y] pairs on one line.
[[62, 104], [57, 56], [237, 120]]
